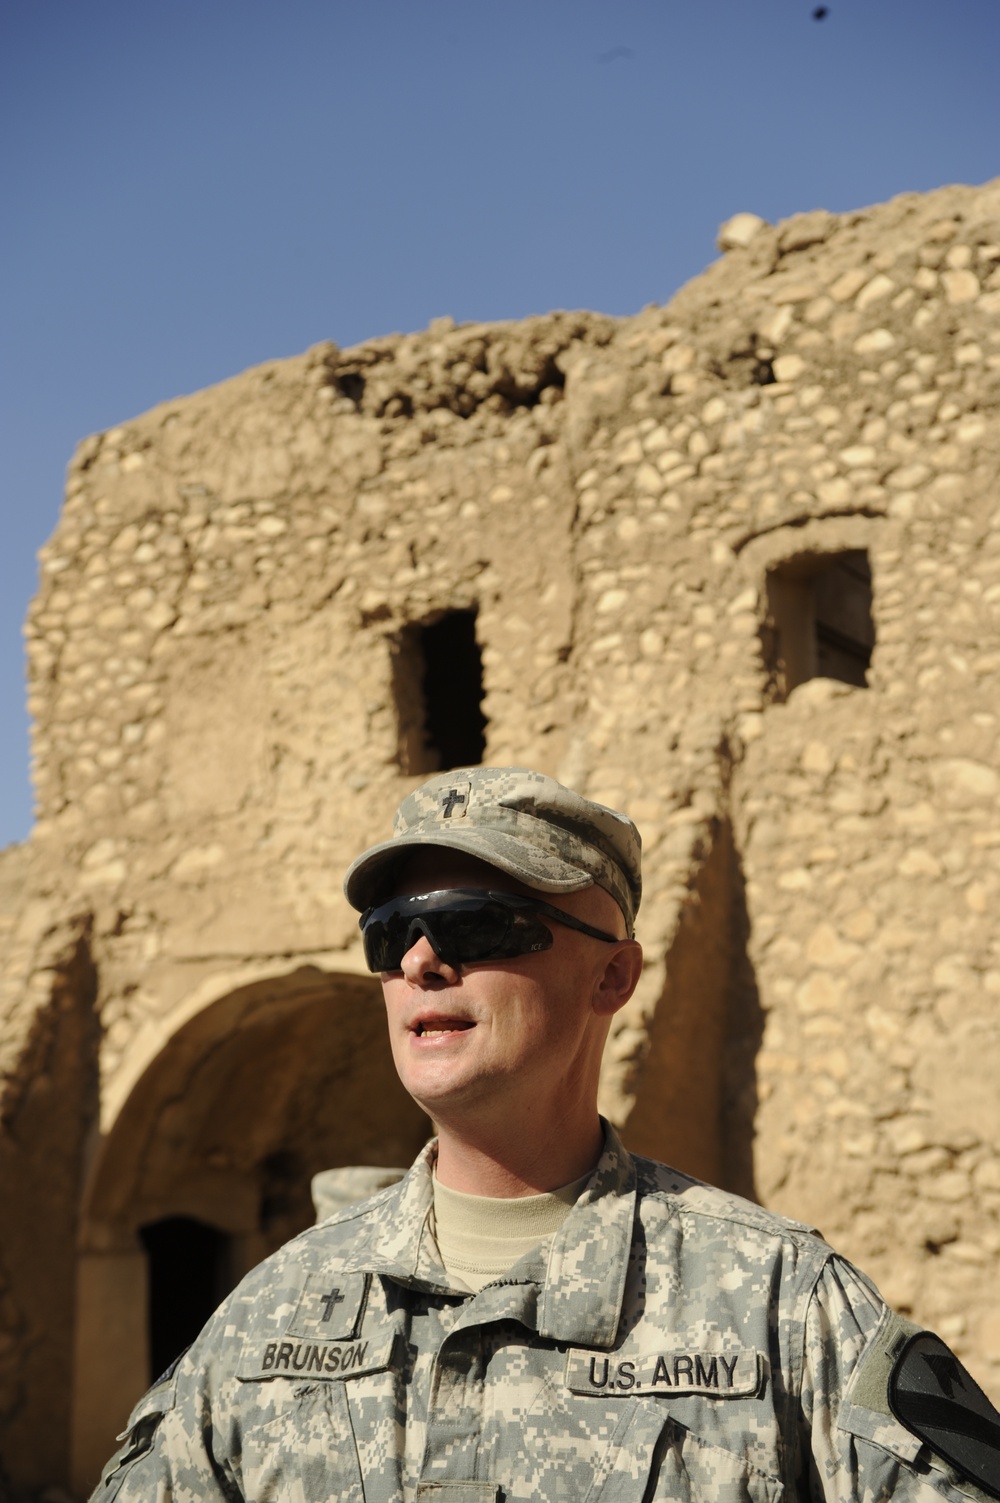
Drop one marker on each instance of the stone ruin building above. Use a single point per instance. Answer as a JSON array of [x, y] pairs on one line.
[[732, 565]]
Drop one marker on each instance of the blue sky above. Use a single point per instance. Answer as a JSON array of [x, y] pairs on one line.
[[193, 187]]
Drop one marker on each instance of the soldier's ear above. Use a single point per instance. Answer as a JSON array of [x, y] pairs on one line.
[[620, 977]]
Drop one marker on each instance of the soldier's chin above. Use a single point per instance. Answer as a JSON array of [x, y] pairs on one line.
[[439, 1093]]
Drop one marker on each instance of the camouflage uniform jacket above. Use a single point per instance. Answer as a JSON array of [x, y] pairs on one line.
[[669, 1341]]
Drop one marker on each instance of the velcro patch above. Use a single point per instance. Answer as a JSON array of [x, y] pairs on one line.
[[931, 1393], [329, 1307], [457, 1492], [730, 1374], [314, 1359]]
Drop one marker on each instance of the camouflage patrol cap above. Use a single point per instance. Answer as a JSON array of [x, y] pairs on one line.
[[523, 822]]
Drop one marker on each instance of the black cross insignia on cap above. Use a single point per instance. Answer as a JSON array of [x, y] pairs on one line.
[[450, 799]]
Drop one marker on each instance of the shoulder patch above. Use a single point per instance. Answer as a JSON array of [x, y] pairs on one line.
[[139, 1440], [153, 1405], [869, 1383], [168, 1373], [931, 1393]]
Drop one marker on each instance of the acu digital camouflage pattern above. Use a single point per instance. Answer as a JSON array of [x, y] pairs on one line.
[[333, 1189], [523, 822], [668, 1342]]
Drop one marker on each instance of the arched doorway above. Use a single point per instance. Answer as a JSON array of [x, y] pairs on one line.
[[205, 1170]]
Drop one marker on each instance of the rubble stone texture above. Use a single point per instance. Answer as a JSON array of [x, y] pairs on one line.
[[227, 708]]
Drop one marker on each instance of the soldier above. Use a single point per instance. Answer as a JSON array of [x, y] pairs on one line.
[[532, 1313]]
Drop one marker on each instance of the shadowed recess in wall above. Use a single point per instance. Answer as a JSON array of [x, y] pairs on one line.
[[49, 1108], [190, 1273], [696, 1088], [437, 674]]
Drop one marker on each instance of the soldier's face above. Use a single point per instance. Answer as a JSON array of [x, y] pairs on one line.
[[504, 1035]]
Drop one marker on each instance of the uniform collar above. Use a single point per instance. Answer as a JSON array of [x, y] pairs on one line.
[[588, 1258], [573, 1295]]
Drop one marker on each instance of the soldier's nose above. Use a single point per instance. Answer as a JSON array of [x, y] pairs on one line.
[[423, 967]]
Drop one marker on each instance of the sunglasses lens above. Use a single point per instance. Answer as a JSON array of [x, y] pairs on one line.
[[470, 934], [385, 939], [460, 927]]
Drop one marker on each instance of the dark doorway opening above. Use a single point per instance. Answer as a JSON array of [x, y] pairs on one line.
[[189, 1274], [819, 620], [438, 687]]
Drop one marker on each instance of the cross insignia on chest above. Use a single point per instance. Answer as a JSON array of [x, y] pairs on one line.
[[329, 1301]]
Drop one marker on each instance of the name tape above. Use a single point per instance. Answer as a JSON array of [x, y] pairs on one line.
[[720, 1375], [314, 1359]]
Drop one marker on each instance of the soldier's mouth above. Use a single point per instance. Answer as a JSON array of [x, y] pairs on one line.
[[438, 1027]]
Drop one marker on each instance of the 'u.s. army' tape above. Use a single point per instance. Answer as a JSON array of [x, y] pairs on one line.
[[729, 1373]]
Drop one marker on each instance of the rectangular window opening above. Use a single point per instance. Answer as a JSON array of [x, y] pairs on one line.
[[819, 620], [438, 690]]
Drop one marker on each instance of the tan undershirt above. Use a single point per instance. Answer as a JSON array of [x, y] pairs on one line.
[[480, 1237]]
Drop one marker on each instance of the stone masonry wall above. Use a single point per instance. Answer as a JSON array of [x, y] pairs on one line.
[[215, 659]]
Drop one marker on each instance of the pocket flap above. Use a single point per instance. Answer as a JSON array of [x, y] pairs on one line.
[[329, 1307], [458, 1492]]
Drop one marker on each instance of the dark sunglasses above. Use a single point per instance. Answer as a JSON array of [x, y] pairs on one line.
[[463, 925]]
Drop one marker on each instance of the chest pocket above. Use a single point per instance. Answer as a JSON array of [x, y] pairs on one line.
[[556, 1429], [306, 1452], [559, 1447], [296, 1436], [693, 1432], [646, 1455], [691, 1468], [654, 1458]]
